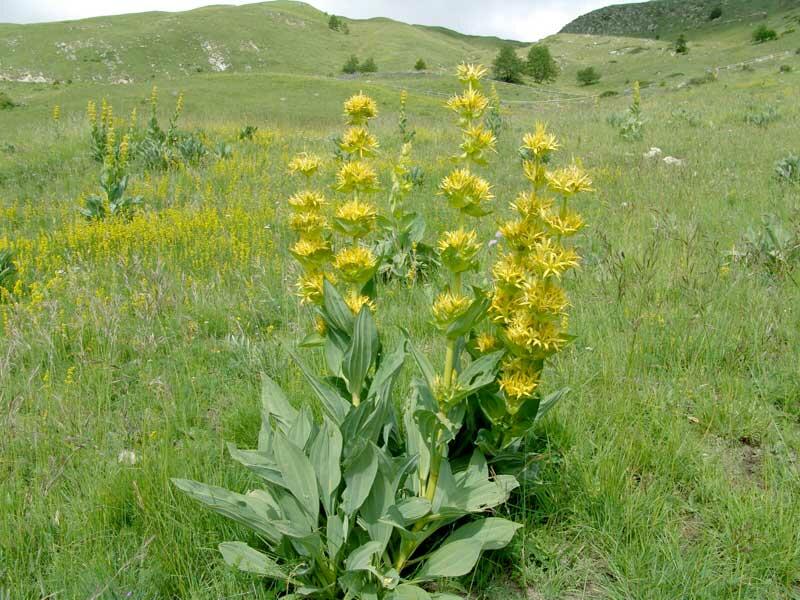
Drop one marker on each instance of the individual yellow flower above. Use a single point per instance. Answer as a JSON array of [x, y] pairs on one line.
[[311, 252], [466, 191], [550, 259], [359, 109], [539, 144], [310, 287], [307, 200], [309, 224], [509, 272], [305, 164], [356, 264], [356, 302], [518, 383], [356, 177], [534, 171], [359, 141], [470, 74], [543, 298], [503, 304], [533, 335], [477, 141], [470, 105], [569, 180], [356, 218], [521, 235], [448, 306], [564, 224], [486, 342], [530, 204], [457, 250]]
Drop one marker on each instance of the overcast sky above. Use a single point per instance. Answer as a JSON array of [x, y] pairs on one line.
[[525, 20]]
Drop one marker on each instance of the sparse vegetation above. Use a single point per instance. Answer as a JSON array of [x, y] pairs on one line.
[[368, 66], [681, 45], [420, 65], [351, 65], [588, 76], [715, 13], [761, 116], [763, 33], [788, 169], [6, 102]]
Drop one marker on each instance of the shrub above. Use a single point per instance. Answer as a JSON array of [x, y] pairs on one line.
[[788, 169], [420, 65], [366, 497], [772, 247], [247, 132], [338, 24], [609, 94], [785, 69], [6, 102], [709, 77], [761, 116], [681, 45], [762, 34], [715, 13], [540, 64], [507, 66], [8, 273], [368, 66], [588, 76], [351, 65]]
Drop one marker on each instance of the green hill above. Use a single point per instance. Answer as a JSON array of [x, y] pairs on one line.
[[280, 36], [661, 18]]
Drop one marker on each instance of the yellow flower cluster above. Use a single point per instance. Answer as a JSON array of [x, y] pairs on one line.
[[528, 305]]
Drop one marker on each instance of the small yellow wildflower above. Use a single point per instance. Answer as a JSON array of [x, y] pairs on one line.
[[356, 218], [356, 177], [448, 306], [518, 384], [470, 105], [311, 252], [359, 109], [569, 180], [309, 224], [539, 144], [466, 191], [356, 302], [307, 200], [566, 224], [530, 204], [470, 74], [458, 249], [356, 264], [477, 140], [521, 235], [543, 298], [91, 112], [310, 287], [550, 259], [305, 164], [359, 141], [534, 171], [509, 272], [486, 342]]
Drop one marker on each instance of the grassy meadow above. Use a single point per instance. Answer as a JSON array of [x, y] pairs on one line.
[[131, 351]]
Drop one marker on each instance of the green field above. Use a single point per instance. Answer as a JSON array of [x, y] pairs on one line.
[[672, 469]]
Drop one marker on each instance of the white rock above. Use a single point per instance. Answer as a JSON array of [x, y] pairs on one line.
[[672, 161], [653, 152], [127, 457]]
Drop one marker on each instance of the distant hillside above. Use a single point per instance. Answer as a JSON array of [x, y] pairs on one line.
[[661, 18], [279, 36]]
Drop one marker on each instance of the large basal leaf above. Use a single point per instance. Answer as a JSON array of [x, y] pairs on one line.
[[359, 478], [275, 407], [386, 373], [299, 475], [407, 591], [326, 454], [361, 558], [362, 351], [333, 404], [425, 366], [479, 373], [241, 556], [260, 463], [335, 309], [451, 560], [247, 510], [549, 401], [493, 533]]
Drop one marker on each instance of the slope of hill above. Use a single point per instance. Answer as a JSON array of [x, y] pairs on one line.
[[661, 18], [279, 36]]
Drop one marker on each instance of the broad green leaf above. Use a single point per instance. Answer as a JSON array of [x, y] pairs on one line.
[[386, 373], [326, 454], [549, 401], [425, 366], [359, 478], [335, 535], [407, 591], [260, 463], [241, 556], [362, 351], [361, 558], [275, 407], [247, 510], [493, 533], [471, 316], [451, 560], [335, 309], [479, 373], [299, 475], [333, 404], [300, 431]]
